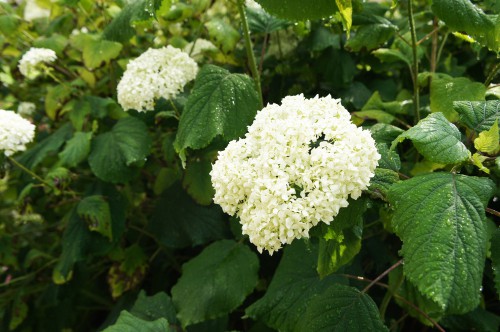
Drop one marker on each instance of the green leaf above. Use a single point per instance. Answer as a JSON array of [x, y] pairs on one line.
[[76, 149], [406, 290], [372, 35], [341, 240], [389, 159], [95, 211], [378, 115], [384, 133], [55, 99], [128, 273], [437, 140], [345, 10], [259, 21], [446, 89], [9, 24], [120, 29], [341, 308], [55, 42], [487, 141], [299, 10], [441, 220], [223, 274], [464, 16], [478, 159], [96, 51], [150, 308], [382, 182], [478, 116], [114, 153], [495, 258], [294, 284], [197, 181], [41, 150], [392, 55], [19, 313], [129, 323], [179, 222], [321, 38], [476, 320], [221, 103], [78, 243], [223, 34]]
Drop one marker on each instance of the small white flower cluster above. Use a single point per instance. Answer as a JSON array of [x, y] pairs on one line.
[[200, 47], [15, 132], [297, 165], [29, 65], [252, 4], [156, 73], [26, 108], [33, 11]]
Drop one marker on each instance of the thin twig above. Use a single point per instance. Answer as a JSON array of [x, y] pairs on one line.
[[386, 272], [493, 212], [492, 74]]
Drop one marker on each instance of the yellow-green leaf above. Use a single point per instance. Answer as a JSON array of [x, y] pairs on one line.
[[477, 160], [345, 9], [487, 141]]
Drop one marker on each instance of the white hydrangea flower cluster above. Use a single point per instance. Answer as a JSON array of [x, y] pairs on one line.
[[15, 132], [29, 65], [26, 108], [156, 73], [297, 165]]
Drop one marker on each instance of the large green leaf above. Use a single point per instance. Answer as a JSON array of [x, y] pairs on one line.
[[294, 284], [478, 115], [129, 323], [223, 34], [179, 222], [153, 307], [215, 282], [446, 89], [50, 144], [197, 181], [95, 211], [341, 308], [96, 51], [476, 320], [114, 153], [372, 35], [121, 30], [441, 220], [495, 258], [76, 149], [221, 103], [299, 10], [464, 16], [341, 240], [437, 140]]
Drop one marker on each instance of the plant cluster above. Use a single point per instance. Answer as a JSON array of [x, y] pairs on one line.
[[214, 165]]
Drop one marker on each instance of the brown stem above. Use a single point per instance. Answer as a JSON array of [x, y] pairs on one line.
[[493, 212], [386, 272]]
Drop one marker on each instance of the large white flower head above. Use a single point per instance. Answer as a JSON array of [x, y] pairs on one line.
[[156, 73], [15, 132], [30, 63], [297, 165]]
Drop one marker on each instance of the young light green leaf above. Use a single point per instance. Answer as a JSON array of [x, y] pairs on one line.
[[55, 98], [197, 181], [95, 211], [299, 10], [221, 103], [478, 115], [294, 284], [114, 153], [488, 141], [96, 51], [478, 159], [391, 55], [463, 15], [437, 140], [179, 222], [345, 10], [341, 240], [129, 323], [215, 282], [378, 115], [341, 308], [446, 89], [76, 149], [440, 219], [495, 258], [223, 34]]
